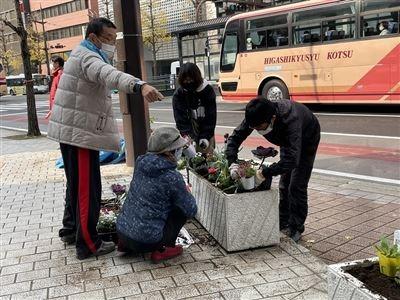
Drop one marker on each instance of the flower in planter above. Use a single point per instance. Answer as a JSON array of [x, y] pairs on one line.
[[107, 221], [118, 189], [246, 169], [212, 170], [389, 257], [115, 202], [213, 174]]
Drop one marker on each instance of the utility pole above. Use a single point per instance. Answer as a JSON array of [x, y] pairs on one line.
[[135, 111]]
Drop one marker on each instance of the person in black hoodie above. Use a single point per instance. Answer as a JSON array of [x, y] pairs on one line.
[[195, 109], [294, 128]]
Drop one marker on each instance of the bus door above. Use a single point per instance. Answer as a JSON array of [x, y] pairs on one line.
[[230, 61]]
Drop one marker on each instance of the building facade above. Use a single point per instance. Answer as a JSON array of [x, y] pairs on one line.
[[8, 38], [65, 22]]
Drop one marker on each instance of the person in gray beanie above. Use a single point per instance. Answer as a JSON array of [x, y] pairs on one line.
[[158, 202]]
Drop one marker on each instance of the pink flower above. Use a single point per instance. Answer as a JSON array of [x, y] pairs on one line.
[[212, 170]]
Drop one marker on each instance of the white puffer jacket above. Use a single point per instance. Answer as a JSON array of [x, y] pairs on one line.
[[82, 114]]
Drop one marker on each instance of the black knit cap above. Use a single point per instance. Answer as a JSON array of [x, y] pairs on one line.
[[259, 111]]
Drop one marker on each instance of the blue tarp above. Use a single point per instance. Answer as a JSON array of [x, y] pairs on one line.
[[105, 157]]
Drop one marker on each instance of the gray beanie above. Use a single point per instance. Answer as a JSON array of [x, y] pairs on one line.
[[165, 139]]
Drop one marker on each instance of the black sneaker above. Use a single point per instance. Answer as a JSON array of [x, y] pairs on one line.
[[295, 236], [68, 239], [105, 247]]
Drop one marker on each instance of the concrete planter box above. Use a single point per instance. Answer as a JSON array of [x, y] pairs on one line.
[[343, 286], [237, 221]]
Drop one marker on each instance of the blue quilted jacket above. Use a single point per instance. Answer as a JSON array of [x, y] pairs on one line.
[[155, 188]]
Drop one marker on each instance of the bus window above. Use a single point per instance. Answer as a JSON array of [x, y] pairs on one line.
[[229, 52], [379, 24], [369, 5], [335, 24], [256, 40], [339, 29], [266, 22], [305, 34], [277, 37], [230, 47]]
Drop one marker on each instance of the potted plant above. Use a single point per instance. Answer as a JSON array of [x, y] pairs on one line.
[[238, 221], [106, 227], [389, 257], [247, 175], [199, 164], [110, 208]]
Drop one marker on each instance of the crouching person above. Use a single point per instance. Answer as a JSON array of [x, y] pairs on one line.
[[158, 202]]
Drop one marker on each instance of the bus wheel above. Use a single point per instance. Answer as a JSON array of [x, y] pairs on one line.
[[275, 90], [12, 93]]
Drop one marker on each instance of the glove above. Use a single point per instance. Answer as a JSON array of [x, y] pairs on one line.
[[204, 143], [234, 171], [266, 172]]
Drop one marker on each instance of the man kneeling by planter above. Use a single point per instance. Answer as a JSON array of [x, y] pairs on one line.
[[158, 202], [294, 128]]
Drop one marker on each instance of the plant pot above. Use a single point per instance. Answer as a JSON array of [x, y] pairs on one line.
[[248, 183], [388, 266], [237, 221], [109, 236], [360, 279]]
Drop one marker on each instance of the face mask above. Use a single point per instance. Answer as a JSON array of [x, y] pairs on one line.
[[108, 49], [190, 86], [267, 130], [178, 154]]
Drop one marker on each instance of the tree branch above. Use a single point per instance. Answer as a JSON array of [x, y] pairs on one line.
[[11, 25]]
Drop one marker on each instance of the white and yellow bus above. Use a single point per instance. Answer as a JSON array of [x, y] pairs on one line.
[[317, 51], [16, 84]]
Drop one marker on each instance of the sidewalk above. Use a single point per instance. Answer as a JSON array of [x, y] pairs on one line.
[[346, 218]]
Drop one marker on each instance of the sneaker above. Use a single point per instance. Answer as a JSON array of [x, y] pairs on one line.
[[295, 235], [105, 247], [169, 252], [68, 239]]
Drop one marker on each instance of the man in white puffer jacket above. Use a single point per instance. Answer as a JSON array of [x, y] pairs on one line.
[[82, 122]]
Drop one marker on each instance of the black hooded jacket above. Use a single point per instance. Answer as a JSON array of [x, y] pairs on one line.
[[295, 130], [195, 112]]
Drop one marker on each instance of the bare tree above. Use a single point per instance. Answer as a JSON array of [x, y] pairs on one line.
[[33, 125], [155, 32]]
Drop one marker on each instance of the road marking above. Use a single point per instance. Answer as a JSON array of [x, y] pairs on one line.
[[356, 115], [320, 171], [318, 114], [218, 111], [322, 133], [357, 176]]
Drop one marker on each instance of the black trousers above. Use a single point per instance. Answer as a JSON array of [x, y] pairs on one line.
[[83, 196], [293, 202], [175, 221]]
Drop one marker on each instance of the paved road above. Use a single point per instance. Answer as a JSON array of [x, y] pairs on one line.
[[358, 141]]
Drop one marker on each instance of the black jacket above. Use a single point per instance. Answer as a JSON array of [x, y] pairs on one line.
[[296, 130], [195, 113]]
